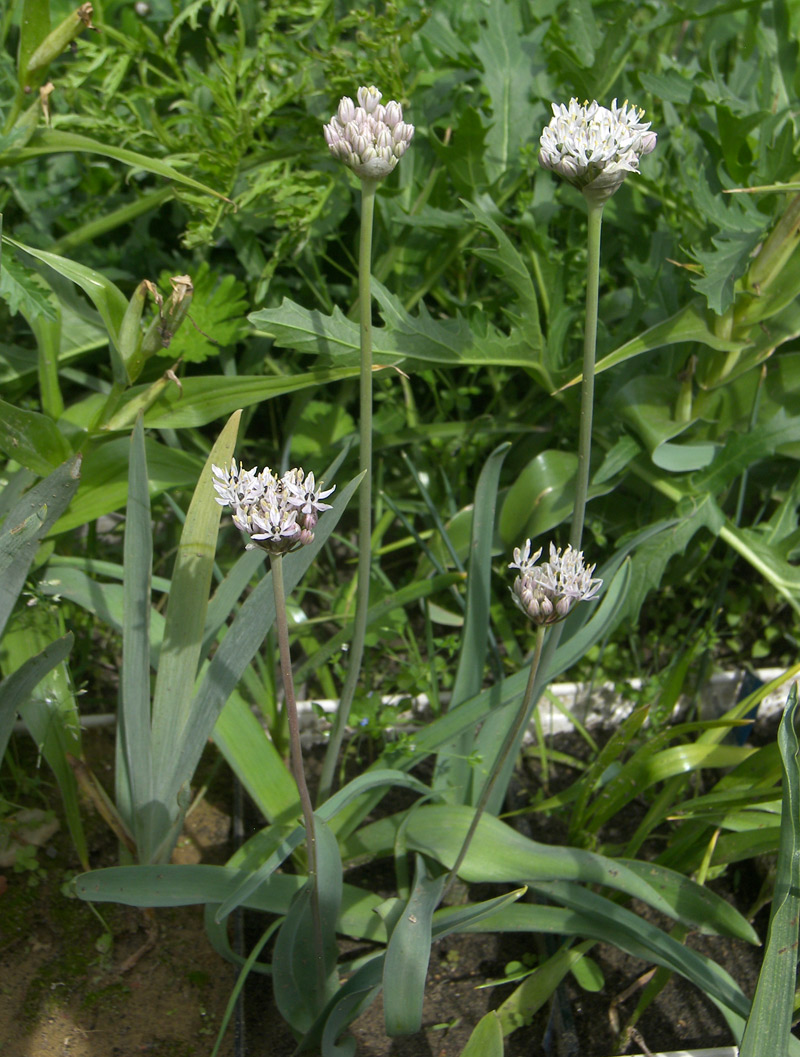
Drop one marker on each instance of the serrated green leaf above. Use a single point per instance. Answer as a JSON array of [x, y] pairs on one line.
[[22, 293], [216, 317], [723, 265]]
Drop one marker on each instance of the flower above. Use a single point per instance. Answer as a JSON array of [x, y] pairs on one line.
[[546, 593], [369, 138], [277, 513], [594, 148]]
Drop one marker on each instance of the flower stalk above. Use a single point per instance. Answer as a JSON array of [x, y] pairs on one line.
[[587, 382], [296, 761], [508, 746], [546, 593], [370, 139], [356, 653]]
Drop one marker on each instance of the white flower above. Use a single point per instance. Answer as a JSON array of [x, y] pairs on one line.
[[594, 148], [369, 138], [276, 513], [546, 593]]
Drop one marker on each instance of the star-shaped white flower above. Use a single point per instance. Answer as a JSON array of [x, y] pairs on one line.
[[546, 593], [594, 148]]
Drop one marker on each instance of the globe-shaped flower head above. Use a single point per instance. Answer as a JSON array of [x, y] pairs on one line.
[[546, 593], [370, 138], [277, 514], [595, 148]]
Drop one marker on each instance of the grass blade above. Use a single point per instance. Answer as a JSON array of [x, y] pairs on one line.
[[768, 1027]]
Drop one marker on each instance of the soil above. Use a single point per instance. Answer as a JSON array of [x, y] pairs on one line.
[[66, 989]]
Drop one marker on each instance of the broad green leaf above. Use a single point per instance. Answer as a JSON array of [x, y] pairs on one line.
[[511, 267], [742, 450], [783, 575], [421, 337], [769, 1024], [640, 773], [541, 497], [109, 301], [364, 783], [486, 1039], [634, 932], [104, 478], [105, 601], [688, 324], [408, 954], [32, 439], [217, 316], [694, 903], [527, 999], [255, 761], [647, 405], [18, 686], [651, 558], [504, 51], [463, 155], [22, 293], [498, 854], [49, 711], [30, 518], [723, 265], [363, 986]]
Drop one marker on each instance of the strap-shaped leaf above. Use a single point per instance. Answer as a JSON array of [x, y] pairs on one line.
[[769, 1025], [452, 767], [173, 714], [408, 954], [134, 779], [346, 795], [301, 986]]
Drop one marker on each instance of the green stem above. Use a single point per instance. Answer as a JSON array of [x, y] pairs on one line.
[[356, 653], [296, 756], [584, 445], [587, 384], [509, 745]]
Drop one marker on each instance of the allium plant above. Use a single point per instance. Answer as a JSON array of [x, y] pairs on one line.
[[594, 149], [279, 514], [546, 594], [369, 138]]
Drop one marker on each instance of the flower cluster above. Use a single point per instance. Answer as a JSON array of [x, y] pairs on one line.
[[594, 148], [370, 138], [277, 513], [547, 592]]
